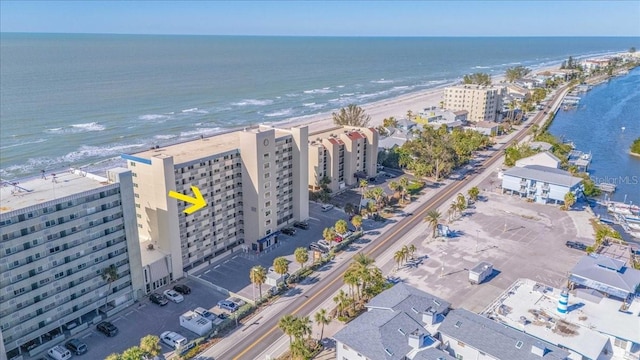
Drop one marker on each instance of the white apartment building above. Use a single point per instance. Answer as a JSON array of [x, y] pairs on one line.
[[59, 233], [483, 103], [256, 177], [342, 154]]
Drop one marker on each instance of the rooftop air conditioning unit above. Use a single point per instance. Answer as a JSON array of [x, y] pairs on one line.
[[150, 247]]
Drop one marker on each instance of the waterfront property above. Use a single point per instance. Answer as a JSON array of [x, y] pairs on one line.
[[435, 117], [60, 234], [541, 184], [343, 155], [256, 177], [544, 158], [400, 323], [607, 275], [483, 103], [467, 335], [588, 324]]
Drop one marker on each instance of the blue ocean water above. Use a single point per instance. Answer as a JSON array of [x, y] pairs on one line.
[[596, 126], [73, 100]]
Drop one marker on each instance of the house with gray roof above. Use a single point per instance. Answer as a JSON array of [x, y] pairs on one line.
[[467, 335], [541, 184], [544, 158], [400, 323], [607, 275]]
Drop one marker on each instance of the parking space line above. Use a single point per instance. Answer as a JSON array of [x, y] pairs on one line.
[[226, 262], [234, 257], [87, 335], [217, 266], [206, 272], [129, 313]]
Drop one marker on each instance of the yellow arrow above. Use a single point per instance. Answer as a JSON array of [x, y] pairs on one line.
[[198, 201]]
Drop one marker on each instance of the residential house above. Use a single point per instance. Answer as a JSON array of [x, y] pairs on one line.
[[544, 158], [541, 184]]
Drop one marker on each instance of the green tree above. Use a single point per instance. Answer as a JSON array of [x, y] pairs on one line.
[[349, 208], [133, 353], [287, 324], [461, 202], [390, 122], [352, 115], [329, 234], [258, 276], [302, 256], [343, 301], [150, 345], [404, 186], [432, 218], [341, 226], [473, 193], [395, 187], [569, 200], [515, 73], [113, 356], [363, 187], [357, 221], [399, 257], [110, 275], [281, 265], [477, 78], [322, 319], [538, 95], [412, 249], [635, 146]]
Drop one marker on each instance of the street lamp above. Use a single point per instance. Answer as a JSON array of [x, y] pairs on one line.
[[477, 234], [442, 268]]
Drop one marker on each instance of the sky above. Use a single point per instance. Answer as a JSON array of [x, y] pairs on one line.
[[326, 18]]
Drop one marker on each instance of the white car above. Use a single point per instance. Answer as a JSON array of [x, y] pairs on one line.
[[173, 339], [237, 301], [327, 207], [173, 296]]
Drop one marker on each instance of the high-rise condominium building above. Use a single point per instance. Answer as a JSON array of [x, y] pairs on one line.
[[60, 234], [342, 155], [254, 182], [482, 102]]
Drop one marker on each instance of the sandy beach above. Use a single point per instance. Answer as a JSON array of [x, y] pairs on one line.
[[396, 107]]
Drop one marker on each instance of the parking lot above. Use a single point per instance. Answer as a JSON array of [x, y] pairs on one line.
[[233, 273], [520, 239], [147, 318]]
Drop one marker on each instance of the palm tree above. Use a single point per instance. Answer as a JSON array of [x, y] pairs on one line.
[[342, 301], [395, 187], [322, 319], [302, 256], [398, 257], [258, 276], [453, 208], [341, 226], [352, 115], [287, 324], [303, 327], [404, 186], [329, 234], [357, 221], [461, 202], [412, 250], [113, 356], [569, 200], [432, 218], [132, 353], [473, 193], [150, 345], [281, 265], [349, 208], [110, 275], [378, 196], [363, 186], [351, 277]]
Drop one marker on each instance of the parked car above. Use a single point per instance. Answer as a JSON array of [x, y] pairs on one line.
[[338, 239], [76, 346], [289, 231], [182, 289], [301, 225], [107, 328], [158, 299], [345, 235], [576, 245], [325, 244], [236, 300], [326, 207], [227, 305], [315, 247], [215, 319], [173, 296], [173, 339]]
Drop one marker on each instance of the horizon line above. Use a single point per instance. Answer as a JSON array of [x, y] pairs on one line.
[[325, 36]]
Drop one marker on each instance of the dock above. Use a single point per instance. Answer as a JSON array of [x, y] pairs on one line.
[[607, 187], [580, 160]]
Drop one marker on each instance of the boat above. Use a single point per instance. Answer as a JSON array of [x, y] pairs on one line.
[[622, 208]]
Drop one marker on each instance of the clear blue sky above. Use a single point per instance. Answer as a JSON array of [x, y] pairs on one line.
[[326, 18]]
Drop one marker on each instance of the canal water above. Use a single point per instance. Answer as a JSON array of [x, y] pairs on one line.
[[605, 123]]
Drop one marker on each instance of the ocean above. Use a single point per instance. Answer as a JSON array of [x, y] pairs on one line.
[[605, 123], [78, 100]]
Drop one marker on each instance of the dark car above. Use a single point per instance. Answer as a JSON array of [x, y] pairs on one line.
[[289, 231], [76, 346], [158, 299], [301, 225], [182, 289], [576, 245], [107, 328]]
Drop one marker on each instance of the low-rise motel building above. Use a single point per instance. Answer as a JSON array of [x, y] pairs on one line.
[[61, 233]]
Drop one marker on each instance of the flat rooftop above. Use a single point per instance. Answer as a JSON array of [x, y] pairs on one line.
[[583, 329], [204, 147], [37, 190]]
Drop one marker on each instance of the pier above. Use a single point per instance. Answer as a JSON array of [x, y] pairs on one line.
[[607, 187]]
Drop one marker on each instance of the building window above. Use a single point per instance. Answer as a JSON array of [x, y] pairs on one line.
[[620, 343]]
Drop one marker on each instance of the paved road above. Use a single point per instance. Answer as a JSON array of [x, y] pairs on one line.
[[252, 345]]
